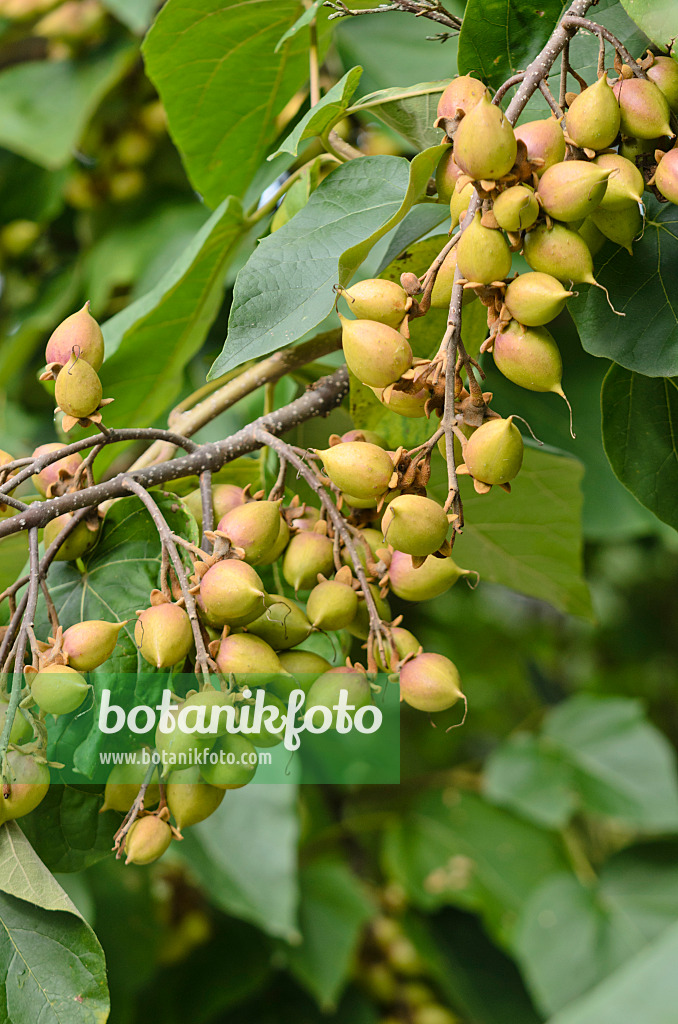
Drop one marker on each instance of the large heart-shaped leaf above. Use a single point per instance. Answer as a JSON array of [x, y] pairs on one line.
[[223, 85], [68, 831], [323, 115], [644, 287], [410, 111], [657, 18], [286, 288], [639, 417]]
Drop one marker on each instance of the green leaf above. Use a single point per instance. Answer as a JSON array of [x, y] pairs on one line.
[[286, 288], [639, 417], [136, 14], [658, 19], [245, 856], [222, 84], [333, 908], [51, 964], [528, 540], [45, 105], [305, 19], [595, 929], [67, 830], [454, 848], [645, 288], [410, 111], [150, 342], [592, 754], [645, 987], [421, 219], [323, 115], [500, 37]]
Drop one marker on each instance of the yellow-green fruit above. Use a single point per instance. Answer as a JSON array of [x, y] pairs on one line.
[[28, 784], [182, 746], [21, 730], [516, 209], [332, 605], [429, 580], [307, 554], [211, 718], [534, 299], [52, 474], [189, 799], [459, 201], [644, 108], [621, 225], [559, 251], [278, 545], [666, 178], [304, 666], [147, 840], [595, 239], [325, 693], [89, 644], [484, 144], [664, 74], [231, 593], [377, 354], [572, 190], [78, 390], [282, 625], [494, 454], [442, 286], [236, 765], [632, 149], [529, 357], [358, 467], [625, 185], [430, 682], [163, 635], [402, 643], [254, 527], [375, 299], [79, 541], [447, 173], [463, 93], [415, 525], [544, 140], [360, 627], [269, 734], [483, 255], [245, 656], [123, 784], [226, 497], [593, 118], [81, 332], [412, 405], [58, 689]]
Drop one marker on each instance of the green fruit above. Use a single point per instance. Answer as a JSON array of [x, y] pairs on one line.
[[403, 403], [632, 149], [358, 468], [278, 545], [664, 74], [360, 627], [430, 682], [254, 527], [666, 178], [484, 144], [81, 332], [247, 657], [304, 667], [403, 643], [189, 799], [621, 225], [572, 190], [79, 541], [89, 644], [516, 209], [147, 840], [282, 625], [561, 252], [123, 785], [447, 173], [535, 299], [483, 255], [375, 299], [644, 109], [78, 390], [442, 286], [28, 785], [332, 605], [308, 554], [21, 731], [595, 239], [415, 525], [180, 747], [264, 737], [624, 186], [242, 768], [325, 692], [224, 498], [56, 471], [593, 118], [463, 93], [163, 635], [58, 689], [231, 593], [544, 140], [529, 357], [430, 580], [211, 719], [494, 453], [459, 200], [377, 354]]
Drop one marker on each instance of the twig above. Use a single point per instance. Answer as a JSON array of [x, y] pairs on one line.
[[508, 84], [572, 20], [202, 658], [433, 11], [207, 508], [564, 68], [133, 813], [550, 99]]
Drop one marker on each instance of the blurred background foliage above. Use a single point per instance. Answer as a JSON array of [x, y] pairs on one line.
[[525, 869]]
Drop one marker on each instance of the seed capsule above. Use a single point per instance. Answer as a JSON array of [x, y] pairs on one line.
[[535, 299], [81, 332], [572, 190], [415, 525], [544, 141], [484, 145], [516, 209], [163, 635], [430, 682], [147, 840], [593, 119], [358, 467], [376, 299], [644, 108], [494, 453], [231, 593], [483, 255], [377, 354]]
